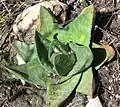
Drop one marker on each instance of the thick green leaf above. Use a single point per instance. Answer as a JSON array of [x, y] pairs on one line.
[[58, 93], [39, 69], [32, 72], [63, 63], [85, 85], [84, 58], [62, 55], [79, 30], [26, 51], [46, 23], [42, 47]]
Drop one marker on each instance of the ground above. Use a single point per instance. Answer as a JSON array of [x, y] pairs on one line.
[[107, 29]]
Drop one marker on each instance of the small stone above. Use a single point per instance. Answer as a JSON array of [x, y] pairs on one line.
[[30, 102], [110, 80], [113, 76], [109, 88], [117, 96], [95, 102], [103, 10], [111, 97], [118, 16]]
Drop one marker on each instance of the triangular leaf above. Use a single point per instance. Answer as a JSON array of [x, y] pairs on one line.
[[32, 72], [42, 47], [85, 85], [58, 93], [46, 22], [84, 58], [79, 30]]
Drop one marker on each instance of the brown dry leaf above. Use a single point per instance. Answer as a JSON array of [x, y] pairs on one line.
[[109, 49]]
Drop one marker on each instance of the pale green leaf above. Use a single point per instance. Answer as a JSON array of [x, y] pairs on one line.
[[32, 72], [46, 22], [84, 58], [79, 30], [26, 51], [85, 85], [58, 93]]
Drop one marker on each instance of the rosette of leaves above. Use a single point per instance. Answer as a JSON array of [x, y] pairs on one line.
[[61, 59]]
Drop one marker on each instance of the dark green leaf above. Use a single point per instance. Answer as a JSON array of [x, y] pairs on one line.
[[63, 63], [60, 92], [42, 47], [62, 55]]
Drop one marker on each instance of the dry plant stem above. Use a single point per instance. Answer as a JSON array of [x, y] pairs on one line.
[[109, 91], [5, 7], [109, 21], [106, 34], [6, 39], [112, 42], [22, 4], [114, 3], [118, 55], [3, 102]]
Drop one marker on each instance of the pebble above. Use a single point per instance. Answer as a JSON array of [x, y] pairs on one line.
[[95, 102]]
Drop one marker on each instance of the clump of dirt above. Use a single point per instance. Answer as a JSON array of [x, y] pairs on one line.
[[14, 94]]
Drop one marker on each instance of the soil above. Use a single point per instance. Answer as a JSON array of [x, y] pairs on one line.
[[107, 28]]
